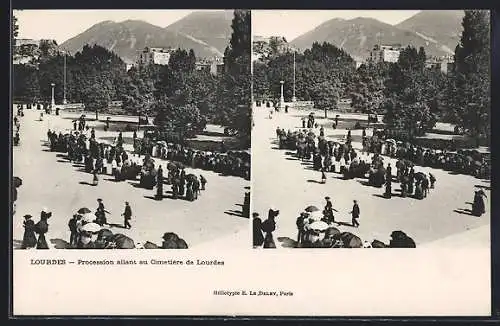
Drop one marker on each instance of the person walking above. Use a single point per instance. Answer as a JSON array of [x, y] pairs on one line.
[[432, 179], [159, 184], [29, 238], [355, 214], [95, 179], [127, 216], [72, 224], [41, 228], [101, 213], [203, 182], [323, 176]]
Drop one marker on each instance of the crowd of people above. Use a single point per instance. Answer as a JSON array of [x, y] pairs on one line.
[[87, 232], [462, 161], [236, 163], [317, 229]]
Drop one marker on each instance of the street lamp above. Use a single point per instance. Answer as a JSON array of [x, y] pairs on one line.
[[294, 99], [64, 90], [52, 102], [282, 99]]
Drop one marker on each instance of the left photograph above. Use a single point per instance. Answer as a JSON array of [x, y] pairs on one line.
[[131, 129]]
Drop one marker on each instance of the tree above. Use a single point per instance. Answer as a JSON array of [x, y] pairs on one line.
[[234, 90], [469, 95], [325, 96]]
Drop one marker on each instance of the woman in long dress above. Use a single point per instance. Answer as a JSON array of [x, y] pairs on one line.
[[29, 238], [478, 207], [41, 228]]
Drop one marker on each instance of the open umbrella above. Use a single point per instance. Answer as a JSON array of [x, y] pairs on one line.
[[179, 165], [318, 226], [17, 182], [171, 166], [420, 176], [87, 217], [84, 210], [316, 215], [123, 242], [91, 227], [311, 209], [392, 141]]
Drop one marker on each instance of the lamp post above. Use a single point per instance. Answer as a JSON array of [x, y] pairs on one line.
[[64, 89], [294, 99], [282, 99], [52, 102]]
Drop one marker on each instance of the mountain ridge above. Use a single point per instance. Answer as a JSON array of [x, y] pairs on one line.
[[128, 37]]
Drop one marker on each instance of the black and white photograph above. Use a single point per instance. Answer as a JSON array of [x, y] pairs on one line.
[[371, 129], [131, 129]]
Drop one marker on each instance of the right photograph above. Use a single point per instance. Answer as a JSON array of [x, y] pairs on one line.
[[371, 129]]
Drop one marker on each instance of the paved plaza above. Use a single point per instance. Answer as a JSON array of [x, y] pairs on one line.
[[51, 181], [282, 181]]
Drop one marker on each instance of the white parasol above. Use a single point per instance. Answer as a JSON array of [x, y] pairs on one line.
[[91, 227], [318, 226]]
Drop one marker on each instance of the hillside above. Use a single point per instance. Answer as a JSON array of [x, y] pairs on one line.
[[443, 26], [358, 36], [207, 33]]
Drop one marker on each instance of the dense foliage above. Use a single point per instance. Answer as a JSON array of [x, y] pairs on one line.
[[178, 91]]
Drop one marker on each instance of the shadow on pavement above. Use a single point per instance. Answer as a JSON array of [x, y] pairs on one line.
[[314, 181], [86, 183], [233, 212], [464, 211]]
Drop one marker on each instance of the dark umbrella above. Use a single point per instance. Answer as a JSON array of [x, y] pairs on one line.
[[191, 177], [104, 234], [311, 209], [179, 165], [17, 182], [171, 166], [350, 240], [123, 242], [84, 210], [150, 245]]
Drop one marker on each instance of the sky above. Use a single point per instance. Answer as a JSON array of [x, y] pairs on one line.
[[62, 25], [293, 23]]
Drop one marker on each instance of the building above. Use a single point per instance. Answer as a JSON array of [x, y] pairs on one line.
[[385, 53], [213, 65], [26, 41], [445, 64], [157, 56]]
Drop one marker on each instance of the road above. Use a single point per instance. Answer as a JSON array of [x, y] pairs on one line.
[[51, 181], [280, 180]]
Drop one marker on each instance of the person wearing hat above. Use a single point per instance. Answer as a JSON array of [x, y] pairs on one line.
[[101, 213], [127, 215], [258, 236], [328, 211], [301, 222], [29, 238], [73, 228], [85, 241], [41, 228], [355, 214], [159, 183]]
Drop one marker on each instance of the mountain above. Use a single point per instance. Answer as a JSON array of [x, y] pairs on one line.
[[204, 32], [443, 26], [358, 36], [210, 27]]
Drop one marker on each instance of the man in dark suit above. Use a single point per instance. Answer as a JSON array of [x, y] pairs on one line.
[[355, 214], [127, 215]]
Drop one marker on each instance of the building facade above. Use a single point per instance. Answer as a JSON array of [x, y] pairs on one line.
[[445, 64], [213, 65], [385, 53], [157, 56]]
